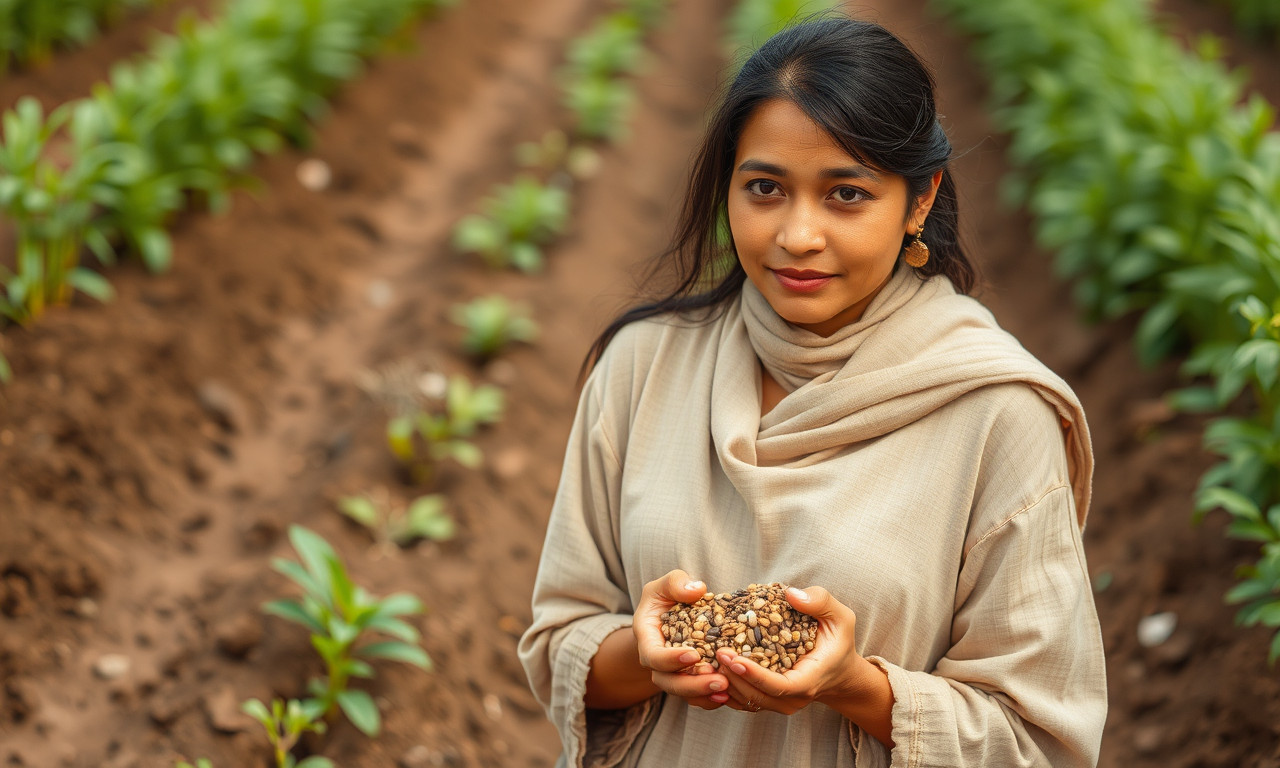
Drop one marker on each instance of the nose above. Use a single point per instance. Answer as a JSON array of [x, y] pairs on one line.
[[800, 232]]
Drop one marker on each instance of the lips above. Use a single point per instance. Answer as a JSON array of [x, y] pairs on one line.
[[802, 280], [802, 274]]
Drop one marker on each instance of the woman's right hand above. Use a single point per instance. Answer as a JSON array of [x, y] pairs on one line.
[[677, 671]]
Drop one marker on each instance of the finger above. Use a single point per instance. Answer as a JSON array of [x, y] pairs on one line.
[[678, 587], [749, 678], [661, 659], [818, 603], [692, 686]]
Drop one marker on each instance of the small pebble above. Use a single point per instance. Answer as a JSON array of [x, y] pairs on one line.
[[1156, 628], [314, 174], [493, 707], [111, 666]]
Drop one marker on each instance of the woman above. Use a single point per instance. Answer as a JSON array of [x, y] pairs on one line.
[[830, 409]]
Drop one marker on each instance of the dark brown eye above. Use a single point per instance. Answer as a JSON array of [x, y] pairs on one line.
[[849, 194], [763, 187]]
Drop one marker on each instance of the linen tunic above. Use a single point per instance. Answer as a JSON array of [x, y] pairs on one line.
[[925, 469]]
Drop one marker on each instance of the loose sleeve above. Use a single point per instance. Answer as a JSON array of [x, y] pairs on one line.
[[580, 595], [1023, 683]]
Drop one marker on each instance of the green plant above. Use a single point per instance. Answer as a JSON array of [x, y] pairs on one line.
[[285, 723], [445, 435], [182, 124], [517, 221], [201, 763], [30, 29], [1156, 184], [340, 615], [51, 207], [491, 323], [424, 518]]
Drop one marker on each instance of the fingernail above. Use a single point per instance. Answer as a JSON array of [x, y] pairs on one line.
[[693, 585], [716, 685], [798, 594], [719, 698], [689, 658], [739, 669]]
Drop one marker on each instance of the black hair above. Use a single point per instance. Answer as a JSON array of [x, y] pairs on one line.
[[871, 94]]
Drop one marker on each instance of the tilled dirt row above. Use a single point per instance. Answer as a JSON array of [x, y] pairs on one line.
[[153, 451], [159, 446]]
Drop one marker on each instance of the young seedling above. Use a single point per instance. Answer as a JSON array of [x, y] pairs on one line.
[[491, 323], [600, 105], [445, 435], [517, 220], [340, 615], [201, 763], [391, 524], [285, 723]]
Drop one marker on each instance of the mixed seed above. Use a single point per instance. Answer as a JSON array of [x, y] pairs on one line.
[[756, 622]]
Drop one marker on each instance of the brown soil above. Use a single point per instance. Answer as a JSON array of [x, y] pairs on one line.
[[155, 449]]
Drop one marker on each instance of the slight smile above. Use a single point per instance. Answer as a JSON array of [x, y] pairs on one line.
[[802, 280]]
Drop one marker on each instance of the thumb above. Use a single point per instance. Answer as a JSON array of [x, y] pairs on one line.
[[816, 602], [680, 587]]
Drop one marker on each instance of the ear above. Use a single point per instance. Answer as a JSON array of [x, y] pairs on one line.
[[925, 203]]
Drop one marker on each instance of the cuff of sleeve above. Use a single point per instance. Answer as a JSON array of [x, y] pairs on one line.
[[610, 736], [867, 751], [915, 696]]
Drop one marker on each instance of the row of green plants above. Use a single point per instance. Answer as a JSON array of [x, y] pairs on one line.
[[518, 220], [179, 127], [30, 30], [1157, 184]]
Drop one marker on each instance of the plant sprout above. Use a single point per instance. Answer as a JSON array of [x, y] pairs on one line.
[[492, 322], [518, 219], [424, 518], [340, 615], [285, 723], [445, 435]]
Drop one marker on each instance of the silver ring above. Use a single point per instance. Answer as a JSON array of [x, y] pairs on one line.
[[752, 706]]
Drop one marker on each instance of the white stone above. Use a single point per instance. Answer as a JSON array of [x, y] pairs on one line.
[[1153, 630], [314, 174], [111, 666]]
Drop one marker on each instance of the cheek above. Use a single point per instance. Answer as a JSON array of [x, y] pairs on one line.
[[750, 230]]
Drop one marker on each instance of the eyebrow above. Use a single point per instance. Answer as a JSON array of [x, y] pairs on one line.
[[848, 172]]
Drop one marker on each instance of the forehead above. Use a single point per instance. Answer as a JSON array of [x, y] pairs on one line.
[[778, 130]]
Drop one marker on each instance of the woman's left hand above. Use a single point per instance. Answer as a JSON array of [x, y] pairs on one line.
[[832, 670]]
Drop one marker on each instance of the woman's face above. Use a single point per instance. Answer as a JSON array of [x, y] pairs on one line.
[[817, 232]]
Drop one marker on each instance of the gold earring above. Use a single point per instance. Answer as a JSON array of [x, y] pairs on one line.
[[917, 253]]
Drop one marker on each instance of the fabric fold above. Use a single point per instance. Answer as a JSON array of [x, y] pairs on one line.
[[918, 347]]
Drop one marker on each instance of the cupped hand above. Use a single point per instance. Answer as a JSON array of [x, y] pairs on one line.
[[832, 670], [677, 671]]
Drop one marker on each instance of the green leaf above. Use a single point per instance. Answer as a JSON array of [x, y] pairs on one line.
[[258, 711], [6, 372], [1234, 502], [315, 762], [397, 651], [316, 553], [155, 248], [292, 611], [399, 604], [361, 710], [361, 509], [466, 454], [91, 284]]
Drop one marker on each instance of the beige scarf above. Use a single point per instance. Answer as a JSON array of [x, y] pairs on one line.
[[918, 346]]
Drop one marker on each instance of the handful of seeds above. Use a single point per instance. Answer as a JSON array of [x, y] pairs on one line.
[[756, 622]]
